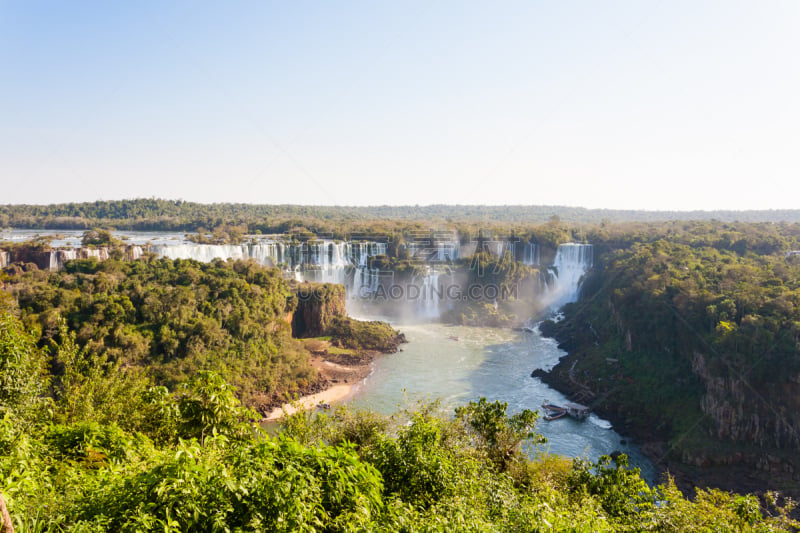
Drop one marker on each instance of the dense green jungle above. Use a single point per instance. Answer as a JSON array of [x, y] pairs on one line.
[[131, 391], [156, 214]]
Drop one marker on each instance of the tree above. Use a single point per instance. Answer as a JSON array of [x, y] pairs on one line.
[[499, 435], [208, 406], [22, 367], [98, 237]]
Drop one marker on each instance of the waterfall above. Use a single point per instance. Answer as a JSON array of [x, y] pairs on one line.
[[447, 251], [350, 263], [345, 263], [430, 297], [134, 252], [530, 254], [59, 257], [365, 282], [439, 251], [325, 261], [204, 253], [268, 253], [431, 293], [265, 253], [101, 254], [55, 259], [571, 263]]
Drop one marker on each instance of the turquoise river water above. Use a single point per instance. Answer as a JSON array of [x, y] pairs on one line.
[[457, 364]]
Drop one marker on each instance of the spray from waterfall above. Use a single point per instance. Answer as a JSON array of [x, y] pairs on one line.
[[571, 264]]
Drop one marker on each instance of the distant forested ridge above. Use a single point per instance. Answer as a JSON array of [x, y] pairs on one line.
[[177, 215]]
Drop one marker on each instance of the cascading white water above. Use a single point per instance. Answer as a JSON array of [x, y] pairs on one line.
[[101, 254], [530, 254], [324, 261], [204, 253], [570, 265], [430, 298], [439, 251], [134, 252], [365, 282], [54, 261], [59, 257], [430, 295], [348, 263], [342, 262], [269, 253]]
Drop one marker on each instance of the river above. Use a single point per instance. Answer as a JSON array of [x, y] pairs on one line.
[[493, 363]]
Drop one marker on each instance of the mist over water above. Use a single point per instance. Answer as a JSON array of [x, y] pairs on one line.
[[571, 263]]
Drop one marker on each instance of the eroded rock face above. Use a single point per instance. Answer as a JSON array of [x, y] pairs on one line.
[[742, 412], [54, 259], [317, 305]]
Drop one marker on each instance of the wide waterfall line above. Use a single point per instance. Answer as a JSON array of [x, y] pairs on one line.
[[350, 263], [324, 261], [204, 253], [327, 255]]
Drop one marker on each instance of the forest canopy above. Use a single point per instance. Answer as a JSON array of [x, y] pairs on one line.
[[178, 215]]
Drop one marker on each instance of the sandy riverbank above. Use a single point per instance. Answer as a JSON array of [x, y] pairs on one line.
[[333, 394], [342, 379]]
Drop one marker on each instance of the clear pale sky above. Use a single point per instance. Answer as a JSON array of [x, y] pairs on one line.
[[634, 105]]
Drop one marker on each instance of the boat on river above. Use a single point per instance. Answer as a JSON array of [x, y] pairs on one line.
[[575, 410]]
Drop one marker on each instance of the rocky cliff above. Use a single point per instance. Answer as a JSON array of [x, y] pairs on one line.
[[317, 305], [53, 259]]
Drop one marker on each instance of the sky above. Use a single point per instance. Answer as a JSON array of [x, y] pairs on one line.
[[670, 105]]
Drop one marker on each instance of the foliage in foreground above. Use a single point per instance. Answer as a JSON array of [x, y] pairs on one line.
[[194, 461]]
